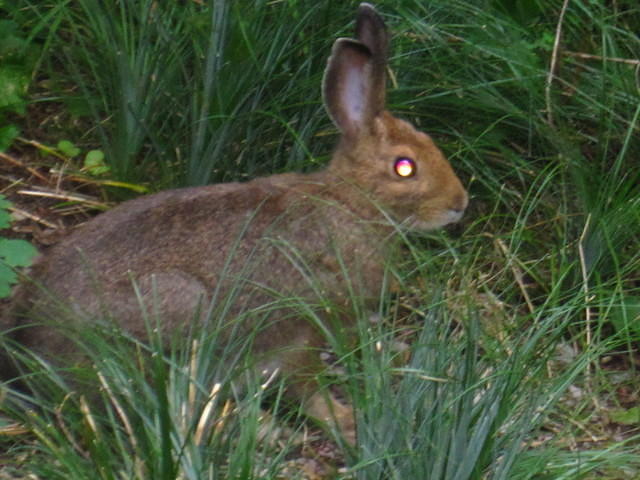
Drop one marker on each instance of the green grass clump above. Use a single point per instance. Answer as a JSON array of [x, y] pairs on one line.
[[466, 405], [179, 92], [512, 319], [152, 416]]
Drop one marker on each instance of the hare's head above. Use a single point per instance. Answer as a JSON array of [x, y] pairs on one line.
[[401, 167]]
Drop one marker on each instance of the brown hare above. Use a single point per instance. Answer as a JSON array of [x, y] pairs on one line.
[[317, 235]]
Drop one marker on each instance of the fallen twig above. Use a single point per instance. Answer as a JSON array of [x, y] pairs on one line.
[[588, 315], [18, 163], [517, 273], [589, 56], [44, 148], [585, 280], [34, 217], [554, 61], [66, 197]]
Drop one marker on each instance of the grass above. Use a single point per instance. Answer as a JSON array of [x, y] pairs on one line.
[[513, 319], [191, 88], [463, 406]]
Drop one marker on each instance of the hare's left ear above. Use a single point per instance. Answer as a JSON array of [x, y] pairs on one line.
[[350, 89]]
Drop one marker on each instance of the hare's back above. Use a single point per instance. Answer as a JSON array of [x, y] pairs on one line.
[[286, 234], [187, 230]]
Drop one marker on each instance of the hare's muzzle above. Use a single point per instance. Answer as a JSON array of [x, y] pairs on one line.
[[460, 203], [454, 208]]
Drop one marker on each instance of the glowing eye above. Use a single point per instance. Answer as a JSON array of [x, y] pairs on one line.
[[405, 167]]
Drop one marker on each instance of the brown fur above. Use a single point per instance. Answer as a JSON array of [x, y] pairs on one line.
[[174, 245]]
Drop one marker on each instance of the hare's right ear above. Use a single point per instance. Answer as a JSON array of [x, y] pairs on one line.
[[351, 88]]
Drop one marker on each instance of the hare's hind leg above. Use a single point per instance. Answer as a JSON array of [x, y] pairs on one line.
[[174, 298]]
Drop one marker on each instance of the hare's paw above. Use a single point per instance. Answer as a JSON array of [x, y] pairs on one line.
[[325, 407]]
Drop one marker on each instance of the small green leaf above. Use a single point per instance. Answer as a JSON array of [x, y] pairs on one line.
[[16, 252], [13, 45], [68, 148], [7, 135], [625, 316], [4, 203], [7, 278], [623, 416], [13, 88], [94, 162], [5, 216]]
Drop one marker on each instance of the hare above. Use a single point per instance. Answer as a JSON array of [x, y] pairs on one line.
[[178, 250]]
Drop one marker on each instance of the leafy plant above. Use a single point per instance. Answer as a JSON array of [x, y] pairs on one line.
[[17, 61], [93, 162], [14, 253]]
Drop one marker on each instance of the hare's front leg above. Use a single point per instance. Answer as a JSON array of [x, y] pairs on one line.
[[302, 366], [325, 407]]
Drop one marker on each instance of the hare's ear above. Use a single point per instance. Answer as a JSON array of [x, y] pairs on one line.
[[351, 88], [371, 30]]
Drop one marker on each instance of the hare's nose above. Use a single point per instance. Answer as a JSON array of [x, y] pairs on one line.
[[460, 202]]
